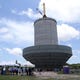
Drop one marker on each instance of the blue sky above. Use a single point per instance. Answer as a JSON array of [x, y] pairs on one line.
[[17, 31]]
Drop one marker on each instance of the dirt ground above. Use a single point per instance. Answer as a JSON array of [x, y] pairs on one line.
[[57, 76]]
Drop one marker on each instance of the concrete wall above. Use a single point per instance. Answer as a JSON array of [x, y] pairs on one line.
[[47, 56], [45, 32]]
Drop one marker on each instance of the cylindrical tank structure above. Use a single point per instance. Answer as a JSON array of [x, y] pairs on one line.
[[45, 31], [48, 56], [46, 53]]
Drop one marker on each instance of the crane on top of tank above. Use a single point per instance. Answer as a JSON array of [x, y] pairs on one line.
[[44, 11]]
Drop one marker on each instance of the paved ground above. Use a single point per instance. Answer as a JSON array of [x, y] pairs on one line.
[[55, 75]]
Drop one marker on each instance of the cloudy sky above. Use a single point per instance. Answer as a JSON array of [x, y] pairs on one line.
[[17, 31]]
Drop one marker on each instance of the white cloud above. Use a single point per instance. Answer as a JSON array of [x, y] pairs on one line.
[[14, 51], [17, 32], [4, 34], [3, 30], [29, 12], [22, 31], [61, 10], [66, 32], [6, 37], [64, 10]]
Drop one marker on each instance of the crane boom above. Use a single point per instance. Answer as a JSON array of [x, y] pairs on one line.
[[44, 11], [39, 11]]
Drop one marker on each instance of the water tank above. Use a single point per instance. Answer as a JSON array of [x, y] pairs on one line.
[[45, 31]]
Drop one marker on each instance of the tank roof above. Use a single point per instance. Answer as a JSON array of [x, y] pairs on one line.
[[45, 18]]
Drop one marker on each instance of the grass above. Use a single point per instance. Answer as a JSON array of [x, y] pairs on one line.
[[9, 77], [15, 77]]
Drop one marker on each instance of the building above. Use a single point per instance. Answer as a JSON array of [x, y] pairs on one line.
[[47, 53]]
